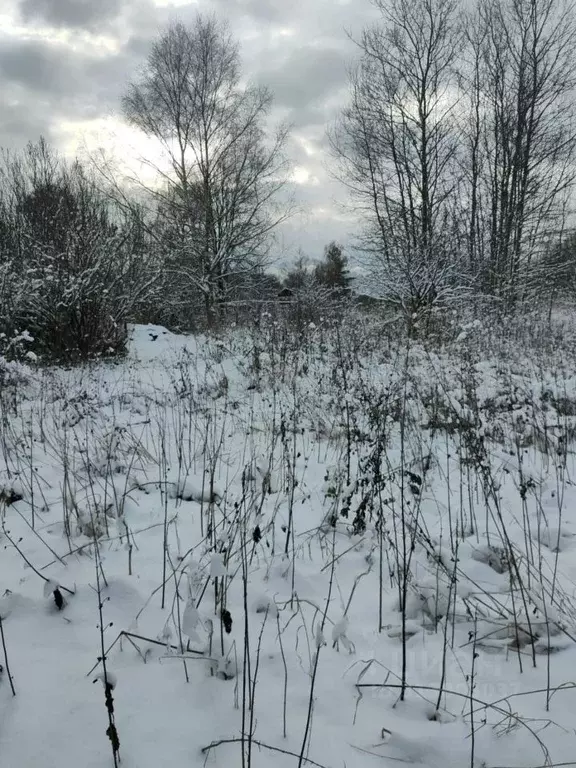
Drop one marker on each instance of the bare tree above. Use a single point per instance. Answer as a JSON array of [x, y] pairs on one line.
[[471, 140], [523, 138], [396, 146], [222, 174]]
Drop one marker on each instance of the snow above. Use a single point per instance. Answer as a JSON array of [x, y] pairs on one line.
[[286, 493]]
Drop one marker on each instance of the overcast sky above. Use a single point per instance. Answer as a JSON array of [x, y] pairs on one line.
[[64, 65]]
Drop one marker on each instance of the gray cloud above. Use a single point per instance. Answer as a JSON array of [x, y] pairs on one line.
[[76, 14], [294, 85], [35, 65], [318, 20], [67, 82], [266, 10], [22, 123], [304, 117]]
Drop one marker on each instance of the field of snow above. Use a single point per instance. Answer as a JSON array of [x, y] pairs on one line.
[[332, 549]]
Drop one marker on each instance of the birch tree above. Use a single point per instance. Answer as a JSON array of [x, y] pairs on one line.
[[222, 169], [524, 172], [396, 147]]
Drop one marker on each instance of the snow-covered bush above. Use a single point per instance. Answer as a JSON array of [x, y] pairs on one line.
[[12, 373], [71, 266]]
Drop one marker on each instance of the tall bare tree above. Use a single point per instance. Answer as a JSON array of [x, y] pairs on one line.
[[523, 139], [222, 171], [396, 146]]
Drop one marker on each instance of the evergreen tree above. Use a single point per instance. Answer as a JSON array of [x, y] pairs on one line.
[[333, 272]]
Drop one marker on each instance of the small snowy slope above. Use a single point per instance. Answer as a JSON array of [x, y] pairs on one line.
[[307, 552]]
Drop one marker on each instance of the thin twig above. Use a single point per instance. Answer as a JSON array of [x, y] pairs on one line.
[[260, 744]]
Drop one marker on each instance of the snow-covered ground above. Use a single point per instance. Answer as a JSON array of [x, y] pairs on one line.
[[336, 552]]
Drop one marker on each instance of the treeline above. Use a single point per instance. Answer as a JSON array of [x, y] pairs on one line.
[[458, 147], [77, 263]]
